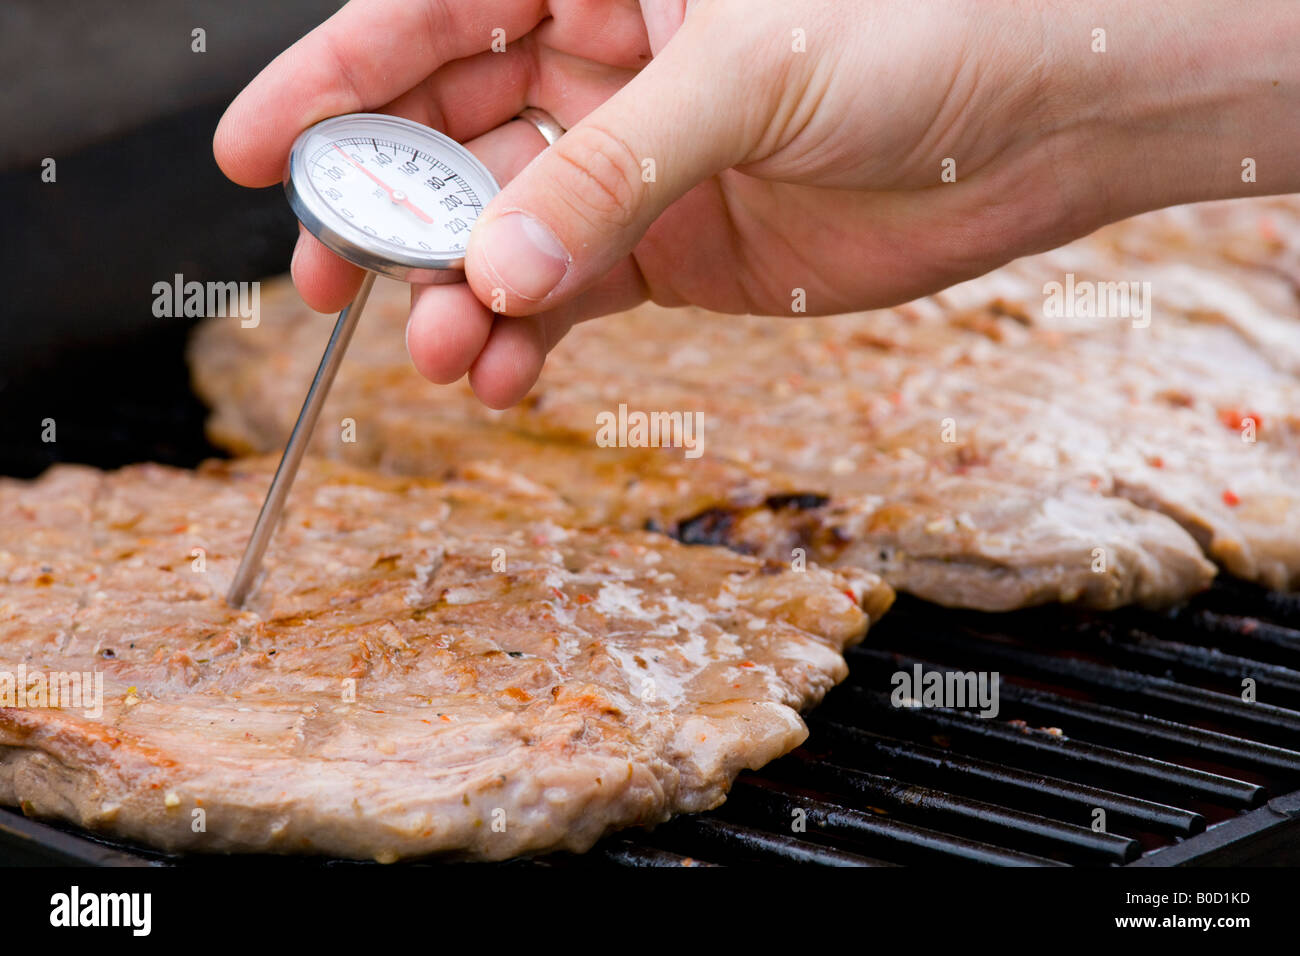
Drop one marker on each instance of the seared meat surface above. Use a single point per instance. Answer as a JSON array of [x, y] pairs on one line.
[[427, 666], [997, 445]]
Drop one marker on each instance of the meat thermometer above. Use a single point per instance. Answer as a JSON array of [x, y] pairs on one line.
[[394, 197]]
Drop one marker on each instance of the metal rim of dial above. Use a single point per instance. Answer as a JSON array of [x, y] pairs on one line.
[[345, 239]]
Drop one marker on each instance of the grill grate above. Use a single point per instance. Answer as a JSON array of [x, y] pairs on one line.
[[1152, 726], [1132, 713]]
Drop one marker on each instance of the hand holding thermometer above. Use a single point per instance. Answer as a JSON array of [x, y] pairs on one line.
[[393, 197]]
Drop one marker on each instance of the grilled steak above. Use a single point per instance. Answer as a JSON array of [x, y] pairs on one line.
[[426, 667], [997, 445]]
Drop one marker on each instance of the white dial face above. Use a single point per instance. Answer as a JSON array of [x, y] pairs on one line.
[[397, 189]]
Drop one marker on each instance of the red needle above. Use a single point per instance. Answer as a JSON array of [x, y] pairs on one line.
[[398, 197]]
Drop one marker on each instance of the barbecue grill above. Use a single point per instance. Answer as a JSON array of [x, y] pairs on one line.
[[1135, 717]]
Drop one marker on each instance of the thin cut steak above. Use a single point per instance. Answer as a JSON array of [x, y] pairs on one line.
[[427, 666], [972, 447]]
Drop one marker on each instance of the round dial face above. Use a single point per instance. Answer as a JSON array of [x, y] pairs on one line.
[[387, 193]]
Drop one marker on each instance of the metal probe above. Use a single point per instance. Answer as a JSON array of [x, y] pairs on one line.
[[397, 199], [251, 564]]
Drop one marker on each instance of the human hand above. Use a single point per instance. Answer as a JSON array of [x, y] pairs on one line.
[[767, 152]]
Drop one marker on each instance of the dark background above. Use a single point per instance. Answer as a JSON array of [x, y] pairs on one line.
[[114, 94]]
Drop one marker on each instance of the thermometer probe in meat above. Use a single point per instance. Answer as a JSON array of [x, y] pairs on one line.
[[393, 197]]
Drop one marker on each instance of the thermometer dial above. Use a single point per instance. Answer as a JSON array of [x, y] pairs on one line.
[[389, 194]]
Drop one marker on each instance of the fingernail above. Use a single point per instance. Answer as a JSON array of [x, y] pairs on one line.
[[525, 256]]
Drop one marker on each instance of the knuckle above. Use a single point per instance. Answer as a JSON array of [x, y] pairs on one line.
[[600, 176]]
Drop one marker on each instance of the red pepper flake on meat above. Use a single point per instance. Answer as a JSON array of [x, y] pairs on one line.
[[1234, 418], [1155, 461], [1230, 498]]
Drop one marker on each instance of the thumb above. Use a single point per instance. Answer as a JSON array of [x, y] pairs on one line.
[[582, 204]]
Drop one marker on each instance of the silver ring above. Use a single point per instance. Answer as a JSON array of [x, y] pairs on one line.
[[544, 122]]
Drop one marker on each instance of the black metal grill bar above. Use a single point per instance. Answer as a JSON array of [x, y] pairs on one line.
[[30, 842], [1192, 662], [1238, 597], [1104, 724], [1074, 759], [768, 805], [943, 811], [1065, 799], [1144, 690], [623, 852], [739, 843], [1235, 634], [1112, 725]]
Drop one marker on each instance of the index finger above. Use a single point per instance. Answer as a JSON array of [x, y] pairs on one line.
[[364, 56]]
